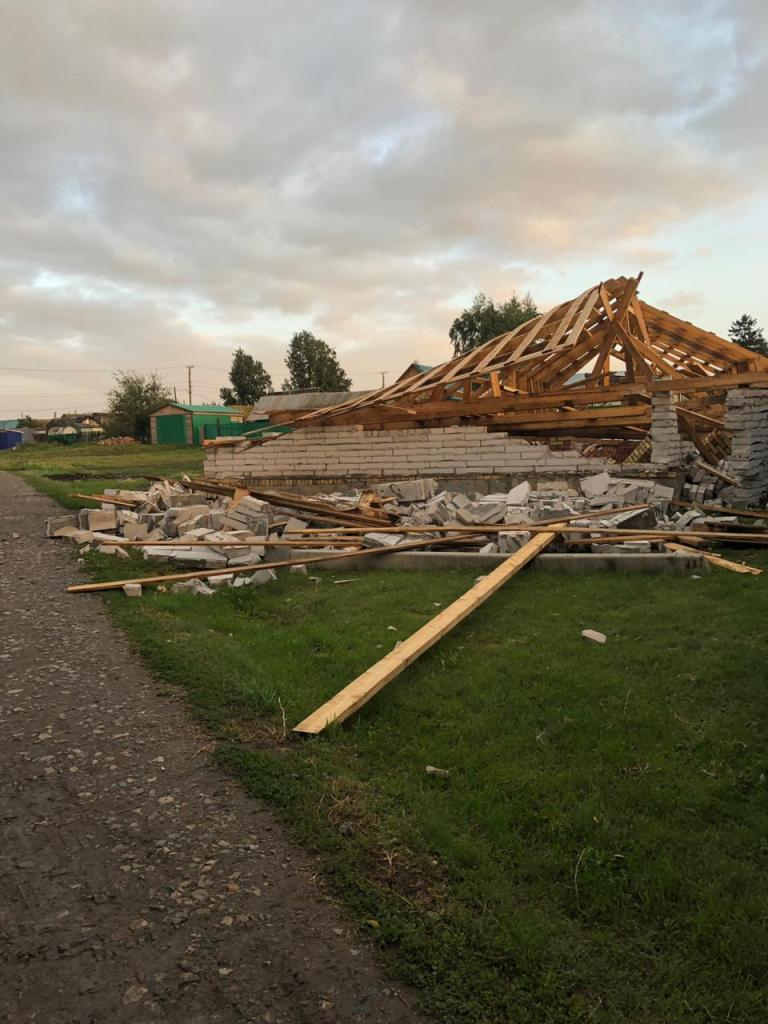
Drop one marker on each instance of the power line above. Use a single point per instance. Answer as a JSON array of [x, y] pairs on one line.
[[134, 369]]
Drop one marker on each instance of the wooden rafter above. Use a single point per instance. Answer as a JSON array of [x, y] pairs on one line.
[[529, 381]]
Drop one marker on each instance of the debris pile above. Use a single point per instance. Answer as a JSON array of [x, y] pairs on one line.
[[212, 528], [228, 534], [111, 442]]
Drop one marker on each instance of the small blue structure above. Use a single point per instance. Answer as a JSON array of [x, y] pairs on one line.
[[11, 439]]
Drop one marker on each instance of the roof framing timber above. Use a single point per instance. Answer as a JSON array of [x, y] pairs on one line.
[[526, 381]]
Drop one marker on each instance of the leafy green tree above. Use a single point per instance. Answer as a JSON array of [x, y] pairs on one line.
[[27, 421], [746, 333], [312, 363], [248, 378], [131, 400], [484, 320]]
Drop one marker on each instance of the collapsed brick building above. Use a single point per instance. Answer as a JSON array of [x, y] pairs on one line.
[[658, 394]]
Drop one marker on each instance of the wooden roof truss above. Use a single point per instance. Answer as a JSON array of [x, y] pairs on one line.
[[524, 381]]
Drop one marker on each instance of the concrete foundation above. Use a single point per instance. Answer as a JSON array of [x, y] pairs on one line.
[[421, 561]]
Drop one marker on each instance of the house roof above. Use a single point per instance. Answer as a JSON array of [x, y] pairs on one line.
[[299, 400], [74, 419], [223, 410]]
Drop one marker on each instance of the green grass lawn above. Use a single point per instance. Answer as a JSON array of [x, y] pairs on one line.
[[58, 470], [599, 850]]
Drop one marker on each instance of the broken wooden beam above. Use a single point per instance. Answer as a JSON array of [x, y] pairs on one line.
[[718, 560]]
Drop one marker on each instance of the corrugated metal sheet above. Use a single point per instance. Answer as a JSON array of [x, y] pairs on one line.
[[299, 400]]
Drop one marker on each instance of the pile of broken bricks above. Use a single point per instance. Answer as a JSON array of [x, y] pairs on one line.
[[177, 523]]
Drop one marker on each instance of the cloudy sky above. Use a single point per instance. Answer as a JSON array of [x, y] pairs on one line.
[[178, 178]]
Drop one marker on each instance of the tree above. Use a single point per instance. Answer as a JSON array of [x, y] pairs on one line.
[[248, 378], [312, 363], [746, 333], [26, 421], [484, 320], [132, 399]]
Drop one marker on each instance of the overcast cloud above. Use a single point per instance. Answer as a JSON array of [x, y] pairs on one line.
[[180, 178]]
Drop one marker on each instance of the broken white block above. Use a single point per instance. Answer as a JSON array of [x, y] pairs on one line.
[[382, 540], [193, 586], [98, 519], [132, 589], [512, 540], [55, 524], [414, 490], [263, 576], [594, 636], [299, 570], [519, 495], [112, 549], [592, 486], [224, 580], [294, 526]]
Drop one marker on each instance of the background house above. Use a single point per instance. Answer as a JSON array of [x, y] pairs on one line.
[[73, 428], [282, 406], [179, 423], [413, 371]]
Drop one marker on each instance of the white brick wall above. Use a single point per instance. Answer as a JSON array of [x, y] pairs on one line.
[[326, 453]]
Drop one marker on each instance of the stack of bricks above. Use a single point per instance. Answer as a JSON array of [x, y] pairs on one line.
[[354, 455], [747, 420], [669, 448]]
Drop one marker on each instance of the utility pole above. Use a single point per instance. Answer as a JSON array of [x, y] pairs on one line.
[[189, 384], [174, 394], [383, 377]]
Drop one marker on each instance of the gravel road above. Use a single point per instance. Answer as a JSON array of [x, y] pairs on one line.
[[137, 882]]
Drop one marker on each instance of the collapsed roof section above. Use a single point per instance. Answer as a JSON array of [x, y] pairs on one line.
[[525, 381]]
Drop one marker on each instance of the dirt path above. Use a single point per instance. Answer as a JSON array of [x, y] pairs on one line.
[[137, 882]]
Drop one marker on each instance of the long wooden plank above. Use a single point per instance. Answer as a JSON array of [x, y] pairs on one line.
[[109, 499], [722, 510], [722, 563], [359, 691], [199, 574]]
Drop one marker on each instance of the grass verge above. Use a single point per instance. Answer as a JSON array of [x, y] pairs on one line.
[[59, 470]]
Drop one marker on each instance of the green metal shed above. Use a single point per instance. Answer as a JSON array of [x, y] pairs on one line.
[[179, 423]]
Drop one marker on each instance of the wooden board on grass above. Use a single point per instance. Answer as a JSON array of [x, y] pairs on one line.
[[359, 691], [718, 560]]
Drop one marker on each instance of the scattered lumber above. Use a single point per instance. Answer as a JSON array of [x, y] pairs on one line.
[[316, 508], [486, 528], [722, 510], [731, 481], [108, 499], [611, 536], [718, 560], [359, 691], [200, 574]]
